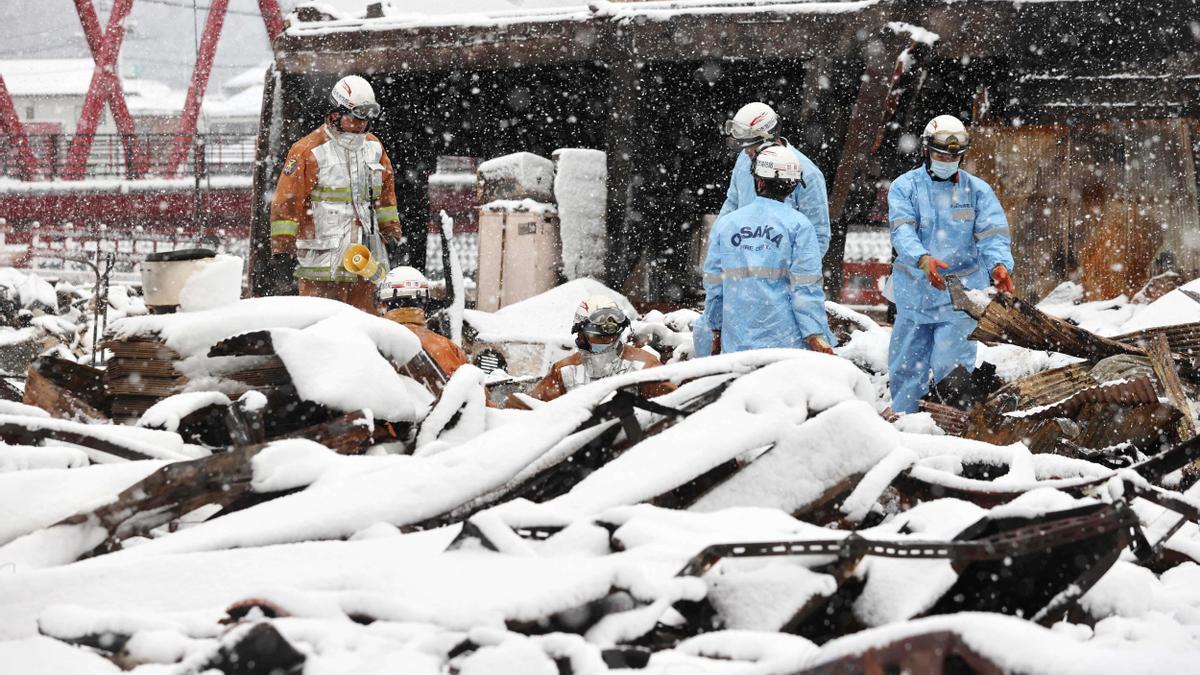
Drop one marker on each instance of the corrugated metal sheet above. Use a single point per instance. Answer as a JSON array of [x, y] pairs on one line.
[[1137, 391]]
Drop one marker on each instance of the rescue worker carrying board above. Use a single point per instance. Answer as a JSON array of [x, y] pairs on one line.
[[762, 275], [944, 222], [754, 127], [404, 298], [600, 329], [335, 200]]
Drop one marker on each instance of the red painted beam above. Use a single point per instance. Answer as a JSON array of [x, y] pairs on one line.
[[98, 91], [135, 156], [203, 68], [272, 18], [10, 122], [171, 209]]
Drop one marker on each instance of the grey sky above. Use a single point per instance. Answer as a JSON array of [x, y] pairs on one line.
[[159, 42]]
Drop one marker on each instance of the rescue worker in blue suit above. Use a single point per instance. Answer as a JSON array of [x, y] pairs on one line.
[[943, 221], [762, 276], [754, 125], [701, 337]]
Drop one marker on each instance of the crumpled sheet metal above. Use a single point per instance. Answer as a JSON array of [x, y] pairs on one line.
[[1137, 391]]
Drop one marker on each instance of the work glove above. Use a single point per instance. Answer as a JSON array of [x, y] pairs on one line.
[[281, 271], [1002, 280], [716, 342], [931, 265], [818, 344]]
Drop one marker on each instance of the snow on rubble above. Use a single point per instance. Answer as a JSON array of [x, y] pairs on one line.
[[761, 518]]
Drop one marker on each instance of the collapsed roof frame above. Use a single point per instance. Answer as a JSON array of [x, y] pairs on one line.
[[858, 93]]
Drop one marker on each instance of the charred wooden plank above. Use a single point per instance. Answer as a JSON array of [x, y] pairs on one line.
[[255, 343], [1010, 320], [222, 479], [1164, 367], [66, 389]]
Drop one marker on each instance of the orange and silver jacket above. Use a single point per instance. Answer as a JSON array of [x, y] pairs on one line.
[[321, 203]]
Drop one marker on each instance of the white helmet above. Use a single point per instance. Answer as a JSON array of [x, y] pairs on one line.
[[753, 124], [355, 95], [946, 134], [778, 162], [599, 315], [403, 283]]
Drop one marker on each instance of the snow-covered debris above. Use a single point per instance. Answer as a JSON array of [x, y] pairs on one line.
[[167, 413], [520, 175], [216, 284]]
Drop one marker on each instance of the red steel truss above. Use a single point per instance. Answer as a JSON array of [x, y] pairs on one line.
[[106, 88], [10, 124]]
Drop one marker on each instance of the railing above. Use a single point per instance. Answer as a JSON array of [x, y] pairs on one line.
[[112, 155]]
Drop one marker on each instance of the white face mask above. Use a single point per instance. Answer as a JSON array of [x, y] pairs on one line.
[[350, 141], [602, 363], [943, 170]]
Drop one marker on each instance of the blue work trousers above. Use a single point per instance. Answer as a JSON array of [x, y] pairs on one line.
[[921, 354]]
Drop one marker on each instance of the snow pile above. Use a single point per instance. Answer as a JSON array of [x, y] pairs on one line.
[[1173, 308], [167, 413], [348, 362], [580, 192], [217, 283], [517, 176]]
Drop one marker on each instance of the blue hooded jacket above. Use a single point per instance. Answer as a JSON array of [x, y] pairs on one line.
[[762, 279], [809, 198], [959, 222]]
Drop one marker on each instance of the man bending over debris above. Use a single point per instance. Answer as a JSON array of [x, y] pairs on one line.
[[335, 191], [404, 298], [762, 276], [600, 329], [942, 218]]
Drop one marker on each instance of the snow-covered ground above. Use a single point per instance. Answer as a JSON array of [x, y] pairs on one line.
[[415, 564]]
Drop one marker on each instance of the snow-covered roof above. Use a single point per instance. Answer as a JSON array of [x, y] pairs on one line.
[[349, 14], [251, 77], [47, 77]]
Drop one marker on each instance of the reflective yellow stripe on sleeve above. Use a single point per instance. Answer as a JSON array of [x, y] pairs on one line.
[[284, 228]]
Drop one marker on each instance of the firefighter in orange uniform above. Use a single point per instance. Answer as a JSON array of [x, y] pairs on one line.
[[404, 297], [599, 328], [336, 190]]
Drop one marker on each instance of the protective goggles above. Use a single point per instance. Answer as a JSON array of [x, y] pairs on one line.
[[743, 133], [366, 111], [949, 142], [606, 321]]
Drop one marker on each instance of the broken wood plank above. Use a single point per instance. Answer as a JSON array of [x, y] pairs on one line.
[[67, 390], [1164, 367], [1010, 320]]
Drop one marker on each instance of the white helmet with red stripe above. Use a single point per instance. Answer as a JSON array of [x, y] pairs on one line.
[[404, 283], [354, 95], [753, 124]]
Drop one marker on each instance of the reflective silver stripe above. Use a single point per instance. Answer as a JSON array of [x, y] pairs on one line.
[[994, 232], [903, 221], [806, 278], [745, 273], [963, 214]]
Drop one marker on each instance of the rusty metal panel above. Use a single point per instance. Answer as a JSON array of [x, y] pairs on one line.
[[1105, 203], [1024, 167]]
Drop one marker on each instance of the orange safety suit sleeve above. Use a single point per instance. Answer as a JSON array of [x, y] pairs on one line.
[[293, 196], [386, 211]]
